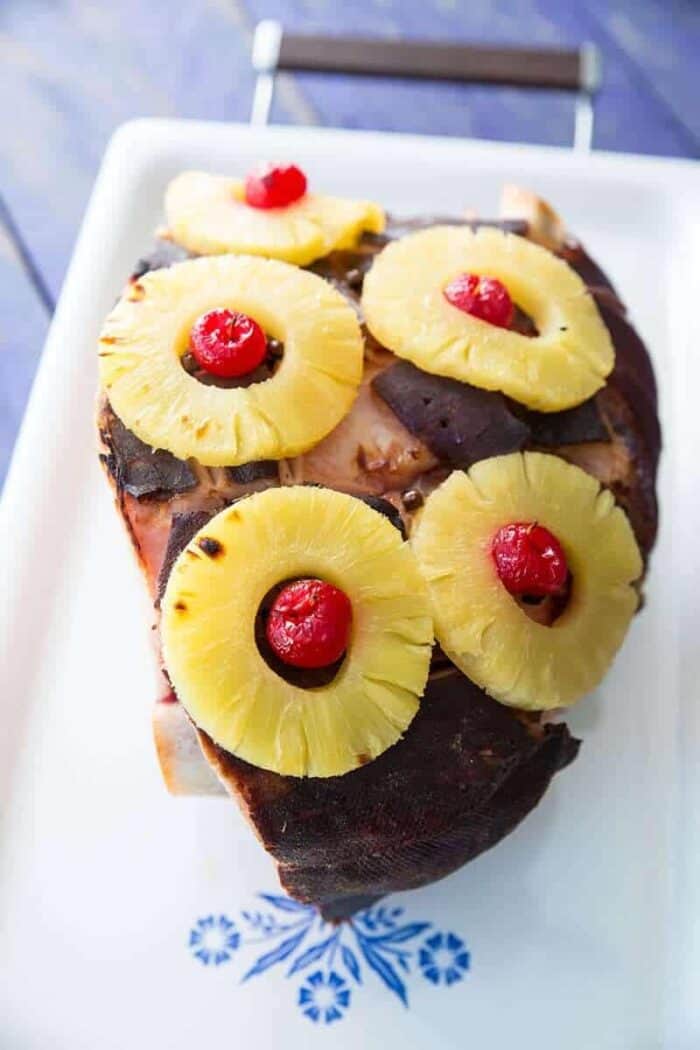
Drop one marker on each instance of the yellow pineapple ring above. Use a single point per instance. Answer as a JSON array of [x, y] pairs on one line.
[[405, 309], [207, 214], [147, 333], [218, 673], [482, 629]]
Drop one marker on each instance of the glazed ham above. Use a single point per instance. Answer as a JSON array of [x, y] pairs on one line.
[[468, 769]]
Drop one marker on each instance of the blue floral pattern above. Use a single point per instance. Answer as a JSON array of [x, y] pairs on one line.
[[324, 998], [213, 940], [443, 958], [330, 961]]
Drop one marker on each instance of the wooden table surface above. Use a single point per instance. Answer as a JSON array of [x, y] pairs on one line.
[[72, 70]]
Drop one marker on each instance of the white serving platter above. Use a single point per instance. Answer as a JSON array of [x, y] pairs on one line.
[[582, 928]]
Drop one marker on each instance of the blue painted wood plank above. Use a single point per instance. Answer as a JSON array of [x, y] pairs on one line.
[[23, 325], [73, 71], [662, 37], [629, 116]]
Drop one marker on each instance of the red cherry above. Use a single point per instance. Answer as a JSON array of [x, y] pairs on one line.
[[529, 560], [309, 624], [274, 186], [227, 344], [482, 297]]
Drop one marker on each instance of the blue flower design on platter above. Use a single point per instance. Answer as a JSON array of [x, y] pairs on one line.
[[327, 961], [324, 998], [443, 958], [213, 940]]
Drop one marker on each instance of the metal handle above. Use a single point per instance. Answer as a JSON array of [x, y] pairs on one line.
[[568, 70]]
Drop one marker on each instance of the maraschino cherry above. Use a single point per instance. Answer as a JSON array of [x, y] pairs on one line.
[[483, 297], [309, 624], [227, 344], [529, 560], [275, 186]]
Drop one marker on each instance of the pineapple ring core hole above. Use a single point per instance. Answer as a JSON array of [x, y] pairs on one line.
[[265, 371], [547, 610], [523, 321], [304, 678], [533, 310]]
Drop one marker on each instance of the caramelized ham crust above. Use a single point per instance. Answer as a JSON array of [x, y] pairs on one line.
[[462, 777]]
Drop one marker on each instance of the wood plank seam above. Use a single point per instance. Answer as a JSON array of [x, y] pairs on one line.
[[26, 258]]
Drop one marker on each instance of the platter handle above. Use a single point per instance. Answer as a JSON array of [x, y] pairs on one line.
[[577, 70]]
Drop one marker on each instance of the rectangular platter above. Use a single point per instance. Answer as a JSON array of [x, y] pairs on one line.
[[128, 918]]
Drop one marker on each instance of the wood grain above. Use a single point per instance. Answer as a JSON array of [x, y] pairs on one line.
[[544, 67]]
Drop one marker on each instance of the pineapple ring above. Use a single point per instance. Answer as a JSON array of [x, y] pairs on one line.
[[208, 631], [207, 214], [314, 386], [405, 309], [487, 635]]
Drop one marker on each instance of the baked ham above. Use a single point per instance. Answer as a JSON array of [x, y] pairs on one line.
[[468, 769]]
